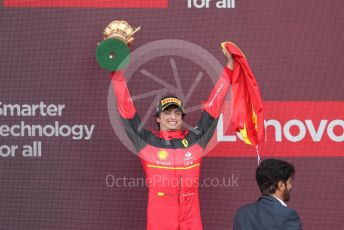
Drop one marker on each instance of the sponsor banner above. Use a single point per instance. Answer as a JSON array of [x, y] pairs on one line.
[[293, 129], [88, 3]]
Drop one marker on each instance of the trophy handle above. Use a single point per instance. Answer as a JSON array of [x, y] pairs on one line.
[[134, 31]]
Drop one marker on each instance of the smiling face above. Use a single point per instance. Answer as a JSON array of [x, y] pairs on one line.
[[170, 119]]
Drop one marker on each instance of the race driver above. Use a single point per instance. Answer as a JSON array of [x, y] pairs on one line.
[[171, 157]]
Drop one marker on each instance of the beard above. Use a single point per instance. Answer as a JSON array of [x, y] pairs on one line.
[[286, 195]]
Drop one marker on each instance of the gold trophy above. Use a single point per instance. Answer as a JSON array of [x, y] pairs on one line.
[[113, 53]]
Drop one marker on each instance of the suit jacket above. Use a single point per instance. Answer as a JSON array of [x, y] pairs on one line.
[[267, 213]]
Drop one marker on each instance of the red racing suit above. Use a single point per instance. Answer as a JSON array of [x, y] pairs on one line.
[[171, 160]]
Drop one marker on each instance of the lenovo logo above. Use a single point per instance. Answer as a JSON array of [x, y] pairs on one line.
[[293, 130]]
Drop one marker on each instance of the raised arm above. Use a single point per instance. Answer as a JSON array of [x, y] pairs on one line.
[[125, 105], [217, 96], [211, 108], [126, 109]]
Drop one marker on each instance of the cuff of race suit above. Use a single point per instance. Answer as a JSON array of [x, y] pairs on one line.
[[117, 76]]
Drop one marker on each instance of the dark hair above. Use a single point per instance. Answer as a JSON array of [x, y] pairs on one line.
[[270, 172]]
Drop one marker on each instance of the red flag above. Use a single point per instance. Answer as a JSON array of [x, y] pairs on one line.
[[247, 107]]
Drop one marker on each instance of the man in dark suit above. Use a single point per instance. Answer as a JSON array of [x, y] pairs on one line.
[[270, 212]]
